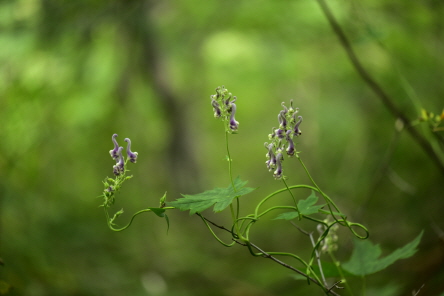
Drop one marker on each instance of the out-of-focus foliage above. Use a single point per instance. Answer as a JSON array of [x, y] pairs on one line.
[[72, 73]]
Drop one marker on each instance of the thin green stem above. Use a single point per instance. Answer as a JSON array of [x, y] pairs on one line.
[[234, 215], [299, 259], [279, 191], [212, 232], [327, 199], [229, 162], [276, 208], [341, 273], [291, 193], [108, 221]]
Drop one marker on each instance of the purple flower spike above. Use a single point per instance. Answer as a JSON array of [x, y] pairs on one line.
[[278, 172], [113, 152], [290, 150], [216, 107], [119, 167], [297, 131], [234, 125], [132, 155]]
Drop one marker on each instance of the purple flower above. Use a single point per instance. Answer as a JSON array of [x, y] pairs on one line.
[[216, 107], [278, 172], [290, 150], [227, 101], [282, 120], [132, 155], [113, 152], [297, 131], [234, 125], [119, 167], [280, 133], [271, 162]]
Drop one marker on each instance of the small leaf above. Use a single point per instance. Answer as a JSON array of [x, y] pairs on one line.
[[161, 213], [364, 259], [307, 206], [219, 197], [162, 200], [287, 216], [158, 211]]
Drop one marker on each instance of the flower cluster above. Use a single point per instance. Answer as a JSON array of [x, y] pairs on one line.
[[116, 154], [329, 243], [225, 108], [282, 139]]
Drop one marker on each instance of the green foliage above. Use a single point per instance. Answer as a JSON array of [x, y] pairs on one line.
[[365, 257], [306, 207], [73, 72], [219, 197], [329, 269]]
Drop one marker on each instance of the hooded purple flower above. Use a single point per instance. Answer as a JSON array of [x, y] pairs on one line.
[[113, 152], [282, 119], [278, 172], [290, 150], [216, 107], [271, 162], [234, 125], [297, 131], [119, 167], [280, 133], [132, 155]]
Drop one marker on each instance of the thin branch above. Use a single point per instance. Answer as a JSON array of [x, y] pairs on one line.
[[415, 293], [377, 89], [266, 255], [318, 257]]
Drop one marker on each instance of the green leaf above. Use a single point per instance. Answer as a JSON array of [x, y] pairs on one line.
[[307, 206], [219, 197], [364, 259], [329, 270], [158, 211], [287, 216], [161, 213]]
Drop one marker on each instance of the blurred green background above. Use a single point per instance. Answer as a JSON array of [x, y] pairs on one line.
[[72, 73]]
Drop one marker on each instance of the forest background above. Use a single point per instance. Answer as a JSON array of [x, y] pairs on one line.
[[72, 73]]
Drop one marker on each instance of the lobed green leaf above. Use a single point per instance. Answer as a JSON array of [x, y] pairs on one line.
[[221, 198], [306, 207], [364, 259]]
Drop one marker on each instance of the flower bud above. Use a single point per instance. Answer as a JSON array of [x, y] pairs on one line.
[[113, 152], [132, 155], [297, 131]]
